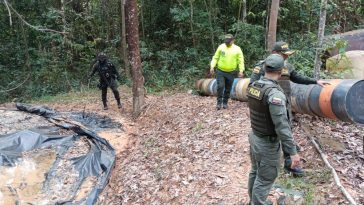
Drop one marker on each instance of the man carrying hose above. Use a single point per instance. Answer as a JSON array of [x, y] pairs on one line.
[[270, 129], [288, 74], [228, 57]]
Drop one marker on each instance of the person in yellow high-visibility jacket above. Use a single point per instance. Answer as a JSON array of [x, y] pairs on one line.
[[228, 57]]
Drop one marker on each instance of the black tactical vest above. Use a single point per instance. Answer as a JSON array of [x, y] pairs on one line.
[[104, 70], [284, 80], [261, 120]]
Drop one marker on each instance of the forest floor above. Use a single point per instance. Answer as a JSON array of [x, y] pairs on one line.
[[182, 151]]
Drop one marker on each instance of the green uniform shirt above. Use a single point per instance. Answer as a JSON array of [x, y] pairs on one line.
[[278, 110], [228, 58], [294, 76]]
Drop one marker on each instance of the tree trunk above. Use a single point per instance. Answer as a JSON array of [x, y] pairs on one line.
[[132, 28], [63, 14], [65, 45], [272, 30], [124, 47], [266, 23], [320, 37], [210, 25], [142, 16], [105, 19], [191, 24], [244, 11], [239, 11]]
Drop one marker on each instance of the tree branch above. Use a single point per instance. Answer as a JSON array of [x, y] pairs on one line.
[[30, 25], [327, 163], [7, 7]]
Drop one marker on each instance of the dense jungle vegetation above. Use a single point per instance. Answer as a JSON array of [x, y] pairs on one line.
[[177, 39]]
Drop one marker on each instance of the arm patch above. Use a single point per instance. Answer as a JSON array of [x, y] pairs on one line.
[[256, 70], [285, 71], [277, 101]]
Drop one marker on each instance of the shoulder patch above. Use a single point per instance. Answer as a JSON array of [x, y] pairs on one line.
[[277, 101], [285, 71], [256, 70]]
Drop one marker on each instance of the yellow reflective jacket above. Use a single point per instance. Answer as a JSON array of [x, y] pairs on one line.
[[228, 58]]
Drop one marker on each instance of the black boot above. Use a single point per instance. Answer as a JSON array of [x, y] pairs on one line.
[[225, 104], [105, 106], [218, 104], [104, 98], [119, 103]]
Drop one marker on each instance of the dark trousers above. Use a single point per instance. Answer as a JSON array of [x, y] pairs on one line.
[[265, 160], [114, 87], [286, 155], [224, 83]]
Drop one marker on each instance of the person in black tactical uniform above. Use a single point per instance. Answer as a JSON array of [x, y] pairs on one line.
[[270, 130], [288, 74], [108, 78]]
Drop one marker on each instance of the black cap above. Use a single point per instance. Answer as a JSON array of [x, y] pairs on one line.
[[283, 48], [101, 56], [228, 38]]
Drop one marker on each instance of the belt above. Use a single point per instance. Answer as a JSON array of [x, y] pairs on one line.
[[226, 71], [271, 138]]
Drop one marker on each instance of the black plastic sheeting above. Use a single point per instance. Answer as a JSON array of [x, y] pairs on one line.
[[98, 162], [94, 121]]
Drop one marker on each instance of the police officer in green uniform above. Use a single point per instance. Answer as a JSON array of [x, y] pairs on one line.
[[108, 78], [270, 130], [228, 57], [288, 74]]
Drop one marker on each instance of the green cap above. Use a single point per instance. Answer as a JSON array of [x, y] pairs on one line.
[[274, 62], [228, 38], [283, 48]]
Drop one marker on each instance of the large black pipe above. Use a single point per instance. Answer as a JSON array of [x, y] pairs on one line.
[[342, 100]]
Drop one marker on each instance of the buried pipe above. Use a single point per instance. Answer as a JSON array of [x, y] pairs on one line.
[[342, 100]]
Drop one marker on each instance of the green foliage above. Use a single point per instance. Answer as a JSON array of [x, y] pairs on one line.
[[305, 185], [177, 39]]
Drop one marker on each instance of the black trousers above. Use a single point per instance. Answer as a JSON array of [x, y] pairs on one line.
[[224, 83], [112, 84]]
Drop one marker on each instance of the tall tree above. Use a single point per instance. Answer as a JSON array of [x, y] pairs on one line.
[[132, 37], [320, 37], [191, 24], [272, 30], [124, 47], [210, 25]]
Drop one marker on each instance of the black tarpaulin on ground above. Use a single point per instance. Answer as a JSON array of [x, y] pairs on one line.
[[98, 162]]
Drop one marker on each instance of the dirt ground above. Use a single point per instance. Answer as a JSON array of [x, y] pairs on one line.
[[181, 151]]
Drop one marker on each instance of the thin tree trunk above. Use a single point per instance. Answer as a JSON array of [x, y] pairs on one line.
[[266, 26], [65, 44], [63, 14], [272, 30], [320, 37], [239, 11], [191, 24], [132, 28], [244, 11], [142, 16], [104, 19], [124, 47], [211, 28]]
